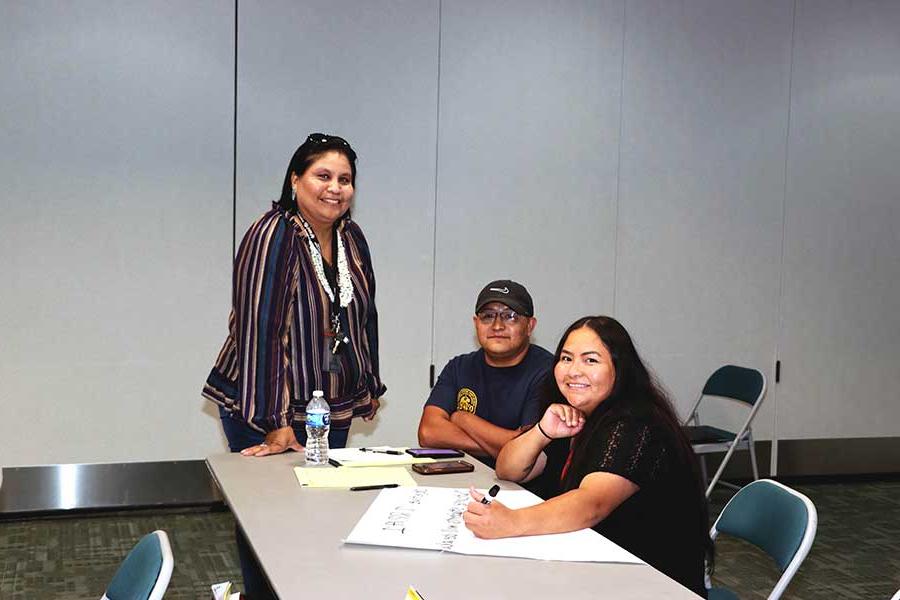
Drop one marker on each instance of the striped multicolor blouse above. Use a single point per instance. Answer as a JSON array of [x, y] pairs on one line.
[[276, 349]]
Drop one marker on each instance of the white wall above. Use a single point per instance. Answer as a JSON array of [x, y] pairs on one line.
[[377, 86], [703, 147], [114, 228], [677, 165], [529, 129], [840, 343]]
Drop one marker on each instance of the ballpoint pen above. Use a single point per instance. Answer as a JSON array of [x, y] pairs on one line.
[[380, 486], [394, 452]]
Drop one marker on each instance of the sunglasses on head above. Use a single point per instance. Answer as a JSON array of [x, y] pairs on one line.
[[324, 138]]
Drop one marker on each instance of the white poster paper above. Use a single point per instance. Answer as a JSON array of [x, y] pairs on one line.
[[430, 518], [375, 456]]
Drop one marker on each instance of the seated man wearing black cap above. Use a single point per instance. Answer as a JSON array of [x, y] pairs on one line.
[[482, 399]]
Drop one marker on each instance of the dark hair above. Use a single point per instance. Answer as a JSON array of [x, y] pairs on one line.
[[635, 393], [313, 148]]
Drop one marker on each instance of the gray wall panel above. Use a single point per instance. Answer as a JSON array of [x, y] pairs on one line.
[[115, 209], [114, 238], [367, 71], [702, 187], [841, 336], [528, 155]]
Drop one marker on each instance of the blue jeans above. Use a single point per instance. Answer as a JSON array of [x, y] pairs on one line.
[[240, 436]]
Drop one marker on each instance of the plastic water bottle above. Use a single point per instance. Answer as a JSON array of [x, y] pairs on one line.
[[318, 420]]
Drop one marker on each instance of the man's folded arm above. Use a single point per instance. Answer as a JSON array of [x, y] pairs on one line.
[[488, 436], [437, 431]]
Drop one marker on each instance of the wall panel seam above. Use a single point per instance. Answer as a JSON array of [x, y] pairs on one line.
[[617, 199], [437, 150]]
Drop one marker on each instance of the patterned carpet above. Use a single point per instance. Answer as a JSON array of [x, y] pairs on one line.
[[76, 558], [856, 553]]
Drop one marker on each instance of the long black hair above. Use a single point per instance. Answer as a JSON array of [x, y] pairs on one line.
[[312, 149], [635, 394]]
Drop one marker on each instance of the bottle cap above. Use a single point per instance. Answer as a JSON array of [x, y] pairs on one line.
[[318, 394]]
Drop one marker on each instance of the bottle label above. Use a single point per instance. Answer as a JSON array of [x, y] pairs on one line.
[[318, 419]]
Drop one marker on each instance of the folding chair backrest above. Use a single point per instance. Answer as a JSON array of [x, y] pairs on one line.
[[735, 382], [772, 517], [145, 572]]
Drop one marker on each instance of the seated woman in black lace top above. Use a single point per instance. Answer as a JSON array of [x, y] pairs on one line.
[[608, 453]]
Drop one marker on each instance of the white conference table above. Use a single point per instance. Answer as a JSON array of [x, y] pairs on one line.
[[297, 536]]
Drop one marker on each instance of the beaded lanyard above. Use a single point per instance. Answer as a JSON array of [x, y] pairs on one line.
[[342, 295]]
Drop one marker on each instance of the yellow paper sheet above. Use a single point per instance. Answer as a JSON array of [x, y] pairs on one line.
[[347, 477], [413, 594]]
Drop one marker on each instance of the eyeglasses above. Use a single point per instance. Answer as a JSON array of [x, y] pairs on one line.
[[324, 138], [506, 316]]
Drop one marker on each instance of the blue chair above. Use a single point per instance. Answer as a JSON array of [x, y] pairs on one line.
[[737, 385], [780, 521], [145, 572]]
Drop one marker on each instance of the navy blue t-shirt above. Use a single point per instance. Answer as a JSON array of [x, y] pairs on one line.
[[507, 397]]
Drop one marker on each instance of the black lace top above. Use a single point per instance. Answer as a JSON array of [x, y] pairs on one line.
[[659, 523]]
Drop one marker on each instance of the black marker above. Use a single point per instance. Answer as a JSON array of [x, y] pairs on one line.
[[492, 493], [381, 486]]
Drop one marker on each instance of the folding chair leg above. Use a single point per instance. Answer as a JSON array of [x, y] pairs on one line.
[[721, 468], [753, 455]]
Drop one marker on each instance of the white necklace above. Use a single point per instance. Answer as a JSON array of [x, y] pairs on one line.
[[345, 284]]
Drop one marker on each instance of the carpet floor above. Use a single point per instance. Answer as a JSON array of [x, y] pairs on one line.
[[856, 553]]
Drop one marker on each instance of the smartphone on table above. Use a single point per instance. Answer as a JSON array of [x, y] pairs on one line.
[[440, 468], [434, 453]]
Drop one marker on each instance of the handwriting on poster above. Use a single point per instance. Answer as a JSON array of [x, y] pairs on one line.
[[430, 518], [440, 514], [398, 518], [453, 518]]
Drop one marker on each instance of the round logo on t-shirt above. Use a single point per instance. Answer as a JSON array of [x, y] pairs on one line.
[[466, 400]]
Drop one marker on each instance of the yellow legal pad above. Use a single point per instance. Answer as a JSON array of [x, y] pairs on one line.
[[413, 594], [347, 477]]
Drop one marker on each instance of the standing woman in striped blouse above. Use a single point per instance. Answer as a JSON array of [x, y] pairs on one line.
[[303, 316]]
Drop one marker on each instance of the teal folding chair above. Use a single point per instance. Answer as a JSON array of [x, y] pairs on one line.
[[738, 385], [780, 521], [145, 572]]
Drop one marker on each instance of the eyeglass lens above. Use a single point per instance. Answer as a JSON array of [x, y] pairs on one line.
[[506, 316]]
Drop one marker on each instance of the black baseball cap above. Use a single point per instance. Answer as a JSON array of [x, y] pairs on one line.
[[510, 293]]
